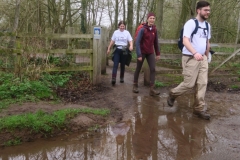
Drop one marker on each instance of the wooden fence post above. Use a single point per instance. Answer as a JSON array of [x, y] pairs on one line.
[[18, 59], [97, 54], [70, 30], [146, 73], [47, 40], [103, 50]]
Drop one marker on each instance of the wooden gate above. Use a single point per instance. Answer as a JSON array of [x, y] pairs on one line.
[[79, 52]]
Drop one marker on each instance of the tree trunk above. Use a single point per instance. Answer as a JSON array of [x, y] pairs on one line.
[[93, 11], [15, 24], [124, 11], [193, 8], [69, 9], [238, 29], [64, 21], [116, 14], [49, 13], [110, 13], [101, 13], [183, 16], [130, 16], [153, 5], [16, 18], [83, 16], [138, 10], [39, 15], [159, 17]]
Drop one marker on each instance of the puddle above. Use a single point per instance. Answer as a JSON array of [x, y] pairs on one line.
[[154, 132]]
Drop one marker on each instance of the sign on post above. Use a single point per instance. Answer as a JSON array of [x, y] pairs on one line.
[[97, 32]]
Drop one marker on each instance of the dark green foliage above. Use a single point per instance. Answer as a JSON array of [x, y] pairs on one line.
[[14, 89], [44, 122]]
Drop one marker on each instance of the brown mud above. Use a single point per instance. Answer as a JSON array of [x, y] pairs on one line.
[[119, 100]]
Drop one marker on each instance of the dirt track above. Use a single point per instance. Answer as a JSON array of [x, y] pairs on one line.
[[224, 106]]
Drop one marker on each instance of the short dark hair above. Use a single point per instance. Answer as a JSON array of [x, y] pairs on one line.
[[121, 22], [201, 4]]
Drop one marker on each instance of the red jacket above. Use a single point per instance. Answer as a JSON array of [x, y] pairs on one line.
[[147, 41]]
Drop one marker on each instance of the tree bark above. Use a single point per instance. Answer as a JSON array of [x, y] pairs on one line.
[[138, 10], [124, 10], [116, 14], [159, 17], [130, 16], [16, 18], [49, 13], [69, 9], [15, 24], [183, 16], [193, 8], [83, 16]]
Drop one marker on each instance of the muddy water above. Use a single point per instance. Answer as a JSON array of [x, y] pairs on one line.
[[154, 132]]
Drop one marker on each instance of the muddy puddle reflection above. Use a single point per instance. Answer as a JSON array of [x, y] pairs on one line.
[[155, 132]]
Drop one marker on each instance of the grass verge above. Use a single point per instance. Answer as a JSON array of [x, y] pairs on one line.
[[42, 122]]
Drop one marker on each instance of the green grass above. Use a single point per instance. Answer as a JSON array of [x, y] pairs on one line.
[[159, 84], [42, 122], [93, 128], [18, 90], [223, 49], [235, 65], [170, 48], [235, 87], [13, 142], [134, 56]]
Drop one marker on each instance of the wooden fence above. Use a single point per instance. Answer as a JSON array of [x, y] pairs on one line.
[[90, 58], [172, 56]]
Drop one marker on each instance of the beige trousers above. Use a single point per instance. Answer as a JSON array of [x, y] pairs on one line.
[[195, 75]]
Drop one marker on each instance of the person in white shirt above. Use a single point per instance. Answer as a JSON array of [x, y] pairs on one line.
[[121, 38], [194, 61]]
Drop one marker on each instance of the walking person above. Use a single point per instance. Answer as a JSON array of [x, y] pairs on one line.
[[194, 60], [146, 43], [120, 39]]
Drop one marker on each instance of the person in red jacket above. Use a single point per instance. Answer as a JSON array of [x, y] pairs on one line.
[[146, 43]]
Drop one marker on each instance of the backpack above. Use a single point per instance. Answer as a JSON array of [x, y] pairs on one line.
[[180, 40], [137, 30]]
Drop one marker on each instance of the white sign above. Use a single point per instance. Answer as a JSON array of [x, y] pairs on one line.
[[97, 32]]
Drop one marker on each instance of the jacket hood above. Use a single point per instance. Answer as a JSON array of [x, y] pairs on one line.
[[147, 26]]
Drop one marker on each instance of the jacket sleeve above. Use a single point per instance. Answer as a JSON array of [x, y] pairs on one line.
[[138, 41], [156, 45]]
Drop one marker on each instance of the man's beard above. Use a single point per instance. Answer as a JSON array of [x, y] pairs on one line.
[[203, 17]]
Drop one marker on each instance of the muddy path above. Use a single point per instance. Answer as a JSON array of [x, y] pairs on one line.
[[183, 135]]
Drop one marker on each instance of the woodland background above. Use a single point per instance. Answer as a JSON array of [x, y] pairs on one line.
[[34, 16]]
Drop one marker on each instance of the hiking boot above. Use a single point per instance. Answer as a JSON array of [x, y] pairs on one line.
[[202, 114], [121, 80], [135, 88], [170, 100], [113, 81], [153, 92]]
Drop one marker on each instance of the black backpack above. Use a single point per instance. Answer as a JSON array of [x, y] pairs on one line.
[[180, 40]]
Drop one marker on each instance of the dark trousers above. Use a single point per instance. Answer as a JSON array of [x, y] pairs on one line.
[[119, 57], [151, 63]]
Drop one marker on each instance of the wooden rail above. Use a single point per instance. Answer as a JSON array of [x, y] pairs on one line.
[[178, 56], [92, 59]]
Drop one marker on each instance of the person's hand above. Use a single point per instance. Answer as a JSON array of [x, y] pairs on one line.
[[198, 56], [157, 57], [108, 51], [140, 58], [131, 48]]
